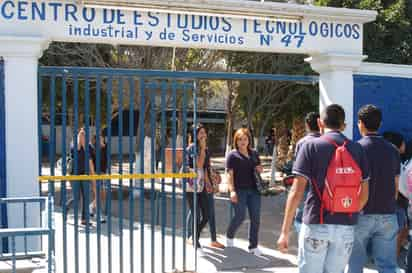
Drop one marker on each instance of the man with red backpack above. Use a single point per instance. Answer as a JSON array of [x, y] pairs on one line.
[[337, 171], [377, 225]]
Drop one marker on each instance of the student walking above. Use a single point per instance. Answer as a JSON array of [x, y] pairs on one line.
[[209, 192], [312, 131], [377, 225], [241, 164], [337, 171]]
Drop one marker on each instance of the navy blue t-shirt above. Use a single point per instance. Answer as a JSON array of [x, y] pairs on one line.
[[384, 164], [307, 137], [302, 141], [243, 168], [312, 163]]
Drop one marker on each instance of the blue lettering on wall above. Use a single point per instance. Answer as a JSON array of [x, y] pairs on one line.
[[70, 11], [338, 30], [227, 25], [214, 23], [39, 11], [21, 10], [293, 27], [89, 14], [55, 7], [120, 17], [137, 16], [153, 19], [356, 29], [256, 25], [7, 13], [182, 20], [197, 24], [313, 28], [108, 16]]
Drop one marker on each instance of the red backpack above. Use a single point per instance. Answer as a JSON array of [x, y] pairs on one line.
[[342, 188]]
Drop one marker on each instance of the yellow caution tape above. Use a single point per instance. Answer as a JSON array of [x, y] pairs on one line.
[[46, 179]]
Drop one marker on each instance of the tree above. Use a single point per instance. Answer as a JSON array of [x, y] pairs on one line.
[[389, 38]]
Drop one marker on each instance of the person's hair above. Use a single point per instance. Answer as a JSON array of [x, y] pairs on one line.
[[242, 132], [311, 121], [333, 116], [395, 138], [371, 117], [198, 127]]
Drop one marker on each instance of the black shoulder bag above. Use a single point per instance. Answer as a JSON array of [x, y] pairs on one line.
[[261, 186]]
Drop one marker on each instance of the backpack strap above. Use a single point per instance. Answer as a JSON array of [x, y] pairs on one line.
[[331, 141], [315, 186]]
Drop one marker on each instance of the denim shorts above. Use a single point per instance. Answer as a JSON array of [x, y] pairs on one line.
[[402, 217]]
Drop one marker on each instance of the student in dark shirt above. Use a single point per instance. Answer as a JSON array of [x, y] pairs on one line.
[[100, 168], [402, 201], [81, 189], [241, 164], [206, 197], [325, 239], [312, 129], [377, 224]]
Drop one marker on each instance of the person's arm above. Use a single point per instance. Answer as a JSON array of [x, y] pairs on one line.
[[294, 198], [396, 187], [364, 194], [231, 186], [202, 153]]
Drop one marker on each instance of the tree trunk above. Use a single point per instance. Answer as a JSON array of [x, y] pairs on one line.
[[229, 116]]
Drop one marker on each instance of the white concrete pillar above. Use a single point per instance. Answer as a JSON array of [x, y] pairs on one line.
[[336, 82], [21, 56]]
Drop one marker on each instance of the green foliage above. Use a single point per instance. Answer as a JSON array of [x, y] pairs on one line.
[[389, 38]]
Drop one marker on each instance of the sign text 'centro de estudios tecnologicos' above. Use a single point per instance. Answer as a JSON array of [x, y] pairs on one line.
[[71, 22]]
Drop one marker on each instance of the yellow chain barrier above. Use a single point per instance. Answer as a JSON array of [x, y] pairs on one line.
[[56, 179]]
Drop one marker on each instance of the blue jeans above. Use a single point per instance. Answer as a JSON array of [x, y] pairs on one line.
[[212, 220], [324, 248], [380, 231], [251, 199]]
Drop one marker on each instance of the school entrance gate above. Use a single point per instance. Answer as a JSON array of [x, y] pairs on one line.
[[331, 37], [145, 208]]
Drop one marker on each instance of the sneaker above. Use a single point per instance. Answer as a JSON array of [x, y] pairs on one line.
[[229, 242], [256, 252], [216, 244], [92, 210]]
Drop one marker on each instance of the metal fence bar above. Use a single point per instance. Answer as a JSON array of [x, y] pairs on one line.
[[152, 170], [75, 187], [131, 192], [163, 155], [98, 156], [108, 155], [64, 169], [192, 75], [195, 231], [25, 225], [174, 131], [141, 150], [120, 190], [52, 139], [184, 205], [51, 250], [87, 170]]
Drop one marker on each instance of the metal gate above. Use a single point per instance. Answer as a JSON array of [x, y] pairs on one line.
[[143, 118]]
